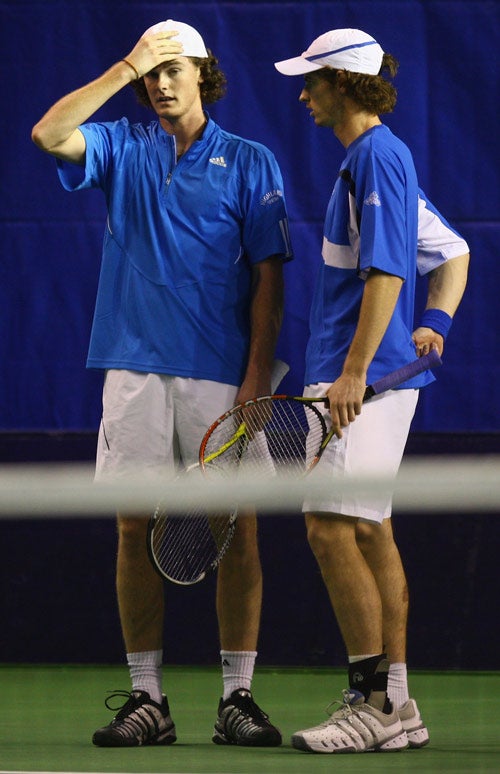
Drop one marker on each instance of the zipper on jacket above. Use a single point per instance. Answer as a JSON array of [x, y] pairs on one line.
[[173, 162]]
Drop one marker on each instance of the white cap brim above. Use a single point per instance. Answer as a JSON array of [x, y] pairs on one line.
[[298, 65]]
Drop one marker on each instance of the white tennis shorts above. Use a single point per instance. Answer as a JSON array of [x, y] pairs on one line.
[[372, 445], [153, 424]]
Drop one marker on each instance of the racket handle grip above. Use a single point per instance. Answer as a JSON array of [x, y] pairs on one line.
[[395, 378]]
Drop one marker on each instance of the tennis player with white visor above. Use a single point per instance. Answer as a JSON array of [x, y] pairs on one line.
[[361, 326]]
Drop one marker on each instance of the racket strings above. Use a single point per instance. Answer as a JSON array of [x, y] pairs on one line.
[[279, 432], [186, 545]]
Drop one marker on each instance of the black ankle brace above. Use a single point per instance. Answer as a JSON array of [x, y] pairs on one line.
[[365, 675]]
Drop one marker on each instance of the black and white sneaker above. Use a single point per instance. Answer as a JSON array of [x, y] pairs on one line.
[[140, 721], [240, 721]]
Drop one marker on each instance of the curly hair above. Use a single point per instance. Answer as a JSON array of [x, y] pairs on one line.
[[373, 93], [212, 88]]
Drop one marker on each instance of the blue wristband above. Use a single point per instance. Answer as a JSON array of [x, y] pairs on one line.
[[438, 320]]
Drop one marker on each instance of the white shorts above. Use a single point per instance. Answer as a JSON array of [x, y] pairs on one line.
[[153, 424], [372, 445]]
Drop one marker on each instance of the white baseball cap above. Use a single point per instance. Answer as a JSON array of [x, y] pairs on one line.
[[190, 38], [347, 49]]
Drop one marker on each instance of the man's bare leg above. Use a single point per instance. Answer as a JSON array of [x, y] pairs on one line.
[[376, 542], [139, 588], [350, 583], [140, 603], [239, 599], [355, 600], [239, 589], [145, 717], [382, 556]]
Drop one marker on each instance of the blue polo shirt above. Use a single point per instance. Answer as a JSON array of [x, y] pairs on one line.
[[371, 223], [180, 242]]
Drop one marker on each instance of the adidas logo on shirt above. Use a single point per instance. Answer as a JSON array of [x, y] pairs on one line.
[[219, 161], [373, 199]]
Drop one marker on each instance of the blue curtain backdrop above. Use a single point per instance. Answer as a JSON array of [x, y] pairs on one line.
[[447, 112]]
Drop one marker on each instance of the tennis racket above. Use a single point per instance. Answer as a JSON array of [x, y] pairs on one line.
[[184, 547], [277, 432]]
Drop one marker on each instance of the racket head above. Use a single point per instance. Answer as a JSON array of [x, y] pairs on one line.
[[185, 546], [266, 435]]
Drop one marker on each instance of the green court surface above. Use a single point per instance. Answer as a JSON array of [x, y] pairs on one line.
[[48, 714]]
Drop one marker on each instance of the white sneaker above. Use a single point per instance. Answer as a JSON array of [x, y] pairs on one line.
[[355, 727], [417, 733]]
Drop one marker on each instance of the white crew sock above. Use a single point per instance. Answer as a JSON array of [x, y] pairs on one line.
[[397, 685], [237, 670], [145, 672]]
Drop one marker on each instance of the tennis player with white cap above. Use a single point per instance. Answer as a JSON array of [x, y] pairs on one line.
[[348, 49], [187, 315], [190, 39], [361, 326]]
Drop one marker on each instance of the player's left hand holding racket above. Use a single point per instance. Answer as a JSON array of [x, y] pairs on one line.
[[184, 547]]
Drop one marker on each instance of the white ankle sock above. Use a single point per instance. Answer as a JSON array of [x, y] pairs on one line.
[[145, 672], [237, 670], [397, 685]]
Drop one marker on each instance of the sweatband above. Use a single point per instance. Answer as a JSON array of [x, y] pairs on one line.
[[438, 320]]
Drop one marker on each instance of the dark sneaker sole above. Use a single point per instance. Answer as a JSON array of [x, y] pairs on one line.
[[107, 742], [218, 738]]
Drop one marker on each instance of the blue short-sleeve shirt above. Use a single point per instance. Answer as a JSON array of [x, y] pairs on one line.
[[371, 223], [179, 246]]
